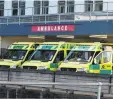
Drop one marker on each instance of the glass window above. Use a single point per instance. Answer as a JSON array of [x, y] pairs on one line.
[[70, 6], [66, 6], [41, 7], [103, 57], [15, 54], [18, 6], [1, 8], [98, 5], [61, 6], [88, 6], [37, 6], [112, 58], [22, 7], [80, 56], [14, 7], [45, 5]]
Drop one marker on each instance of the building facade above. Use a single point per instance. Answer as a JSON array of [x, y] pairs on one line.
[[20, 20], [34, 7]]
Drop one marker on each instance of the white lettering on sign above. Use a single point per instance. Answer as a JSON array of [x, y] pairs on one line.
[[66, 27], [54, 28]]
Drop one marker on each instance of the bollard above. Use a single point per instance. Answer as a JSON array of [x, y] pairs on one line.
[[99, 90], [16, 93], [7, 93], [41, 94], [71, 94]]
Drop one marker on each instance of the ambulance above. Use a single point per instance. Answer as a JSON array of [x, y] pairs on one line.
[[48, 56], [17, 54], [89, 58]]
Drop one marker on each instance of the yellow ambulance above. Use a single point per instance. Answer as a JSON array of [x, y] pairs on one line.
[[48, 55], [17, 54], [90, 58]]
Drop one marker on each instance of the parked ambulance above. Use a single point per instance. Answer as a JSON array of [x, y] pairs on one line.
[[17, 54], [48, 55], [90, 58]]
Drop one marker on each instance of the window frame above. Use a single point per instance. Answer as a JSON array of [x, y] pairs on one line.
[[2, 8], [98, 4], [88, 6], [43, 8], [18, 9], [100, 61], [70, 6], [92, 5], [65, 7]]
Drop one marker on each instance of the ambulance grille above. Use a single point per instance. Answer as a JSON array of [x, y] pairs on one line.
[[69, 69], [4, 66], [30, 67]]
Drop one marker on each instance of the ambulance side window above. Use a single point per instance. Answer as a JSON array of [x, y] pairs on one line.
[[98, 59], [103, 57], [112, 58], [106, 57], [96, 55], [29, 54], [59, 57]]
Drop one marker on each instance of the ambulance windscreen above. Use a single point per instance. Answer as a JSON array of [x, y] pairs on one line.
[[43, 55], [80, 56]]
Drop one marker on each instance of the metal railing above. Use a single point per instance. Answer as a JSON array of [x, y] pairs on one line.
[[66, 81], [26, 84], [79, 14]]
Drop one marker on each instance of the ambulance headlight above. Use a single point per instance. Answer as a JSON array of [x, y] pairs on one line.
[[42, 67], [13, 66]]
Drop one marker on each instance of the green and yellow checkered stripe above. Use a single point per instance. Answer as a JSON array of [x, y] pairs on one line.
[[97, 69], [53, 66]]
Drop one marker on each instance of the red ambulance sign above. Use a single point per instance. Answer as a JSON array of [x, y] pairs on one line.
[[53, 28]]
